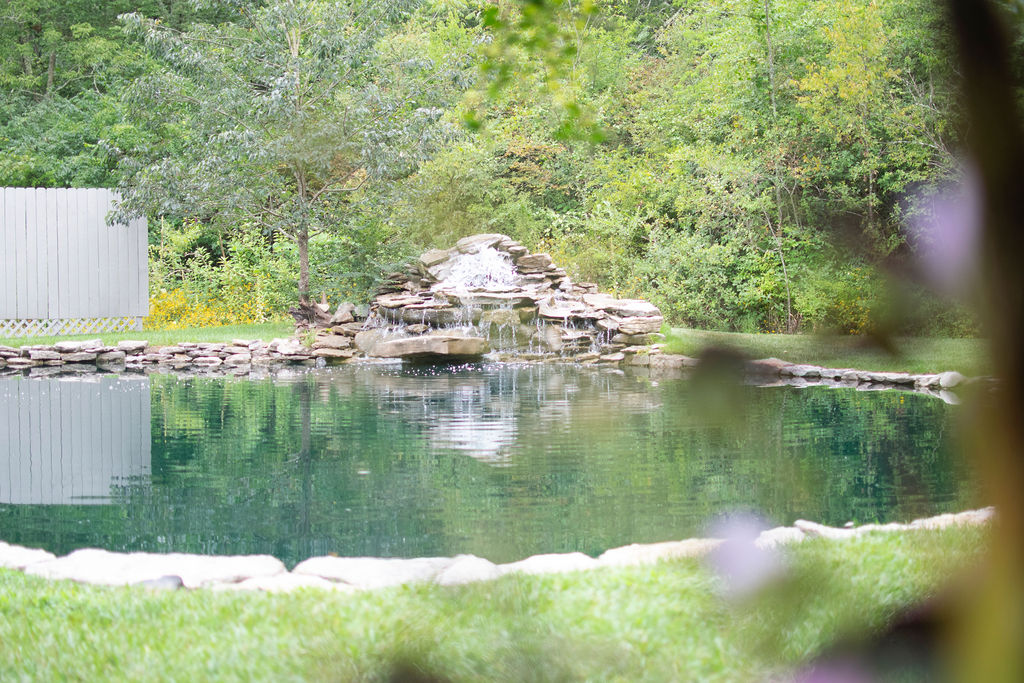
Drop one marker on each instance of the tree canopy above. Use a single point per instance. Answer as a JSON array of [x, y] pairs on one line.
[[276, 119], [745, 164]]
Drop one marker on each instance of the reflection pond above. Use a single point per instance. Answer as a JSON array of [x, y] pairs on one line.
[[499, 461]]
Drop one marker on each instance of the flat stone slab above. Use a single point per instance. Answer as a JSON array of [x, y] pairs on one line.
[[399, 300], [467, 569], [967, 518], [333, 341], [374, 572], [487, 299], [628, 308], [948, 380], [560, 310], [92, 565], [284, 583], [813, 529], [79, 357], [535, 261], [551, 563], [801, 371], [69, 346], [475, 243], [432, 346], [17, 557], [332, 353], [132, 346], [288, 347], [771, 539], [111, 357], [649, 553], [431, 258], [766, 366], [669, 361], [641, 325]]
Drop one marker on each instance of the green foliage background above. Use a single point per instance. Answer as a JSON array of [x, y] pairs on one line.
[[747, 165]]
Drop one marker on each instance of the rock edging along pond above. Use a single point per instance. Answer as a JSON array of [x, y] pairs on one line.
[[266, 573], [245, 358]]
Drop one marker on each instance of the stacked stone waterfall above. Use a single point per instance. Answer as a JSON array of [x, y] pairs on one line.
[[488, 293]]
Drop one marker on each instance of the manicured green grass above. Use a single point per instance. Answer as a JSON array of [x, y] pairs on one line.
[[666, 622], [265, 331], [907, 354]]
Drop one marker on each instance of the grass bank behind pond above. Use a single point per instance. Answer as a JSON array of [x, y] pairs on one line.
[[265, 332], [917, 355], [662, 622]]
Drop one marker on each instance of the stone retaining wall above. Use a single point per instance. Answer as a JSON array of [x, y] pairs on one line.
[[266, 573], [243, 357]]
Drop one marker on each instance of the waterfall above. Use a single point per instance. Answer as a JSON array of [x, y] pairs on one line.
[[486, 269], [519, 305]]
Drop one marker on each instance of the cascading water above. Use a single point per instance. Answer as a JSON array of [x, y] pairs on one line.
[[487, 269]]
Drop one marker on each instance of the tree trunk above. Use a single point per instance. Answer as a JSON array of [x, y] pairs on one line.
[[790, 327], [50, 68], [303, 241], [302, 237]]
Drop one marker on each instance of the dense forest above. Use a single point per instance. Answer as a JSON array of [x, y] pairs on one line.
[[753, 165]]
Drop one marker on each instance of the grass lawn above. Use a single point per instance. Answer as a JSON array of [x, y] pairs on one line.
[[658, 623], [909, 354], [265, 331]]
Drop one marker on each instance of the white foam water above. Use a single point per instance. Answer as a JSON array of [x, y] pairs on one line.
[[486, 269]]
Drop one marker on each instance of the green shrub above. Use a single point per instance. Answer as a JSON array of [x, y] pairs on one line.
[[252, 282]]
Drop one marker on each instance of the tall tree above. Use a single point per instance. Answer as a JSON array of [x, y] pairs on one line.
[[280, 117]]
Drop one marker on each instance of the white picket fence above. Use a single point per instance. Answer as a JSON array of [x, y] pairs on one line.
[[63, 270]]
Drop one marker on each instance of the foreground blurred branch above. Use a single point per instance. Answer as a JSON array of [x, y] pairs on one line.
[[992, 627]]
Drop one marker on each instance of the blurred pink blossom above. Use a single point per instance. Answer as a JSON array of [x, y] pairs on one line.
[[835, 671], [743, 567], [946, 237]]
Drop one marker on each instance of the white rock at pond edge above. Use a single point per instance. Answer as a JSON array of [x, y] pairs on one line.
[[948, 380], [283, 583], [551, 563], [18, 557], [92, 565], [770, 539], [649, 553], [467, 569], [374, 572]]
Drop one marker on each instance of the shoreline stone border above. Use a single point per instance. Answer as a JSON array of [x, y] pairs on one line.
[[259, 359], [267, 573]]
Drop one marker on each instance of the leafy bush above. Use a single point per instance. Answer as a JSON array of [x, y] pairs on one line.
[[845, 299], [252, 283]]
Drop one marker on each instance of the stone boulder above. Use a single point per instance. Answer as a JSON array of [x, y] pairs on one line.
[[551, 563], [132, 347], [17, 557], [432, 347], [649, 553], [373, 572], [92, 565], [467, 569]]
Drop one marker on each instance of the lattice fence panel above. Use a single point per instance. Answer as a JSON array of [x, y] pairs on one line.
[[67, 326]]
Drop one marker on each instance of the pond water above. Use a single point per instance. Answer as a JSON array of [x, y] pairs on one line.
[[499, 461]]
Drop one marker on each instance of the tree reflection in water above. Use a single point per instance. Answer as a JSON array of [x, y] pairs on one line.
[[499, 461]]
